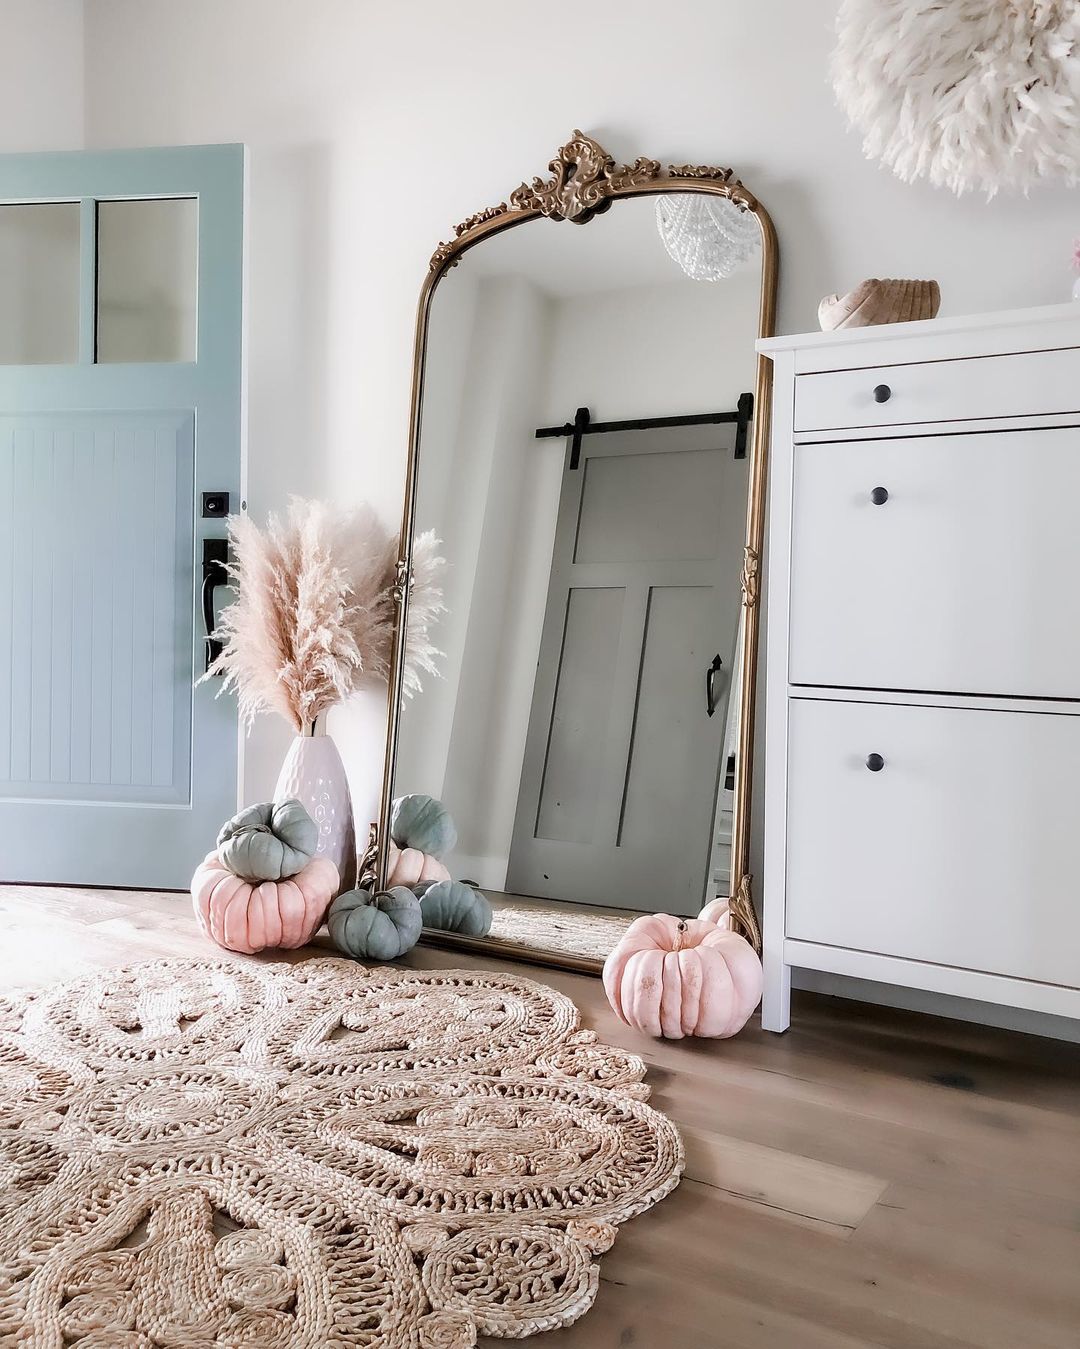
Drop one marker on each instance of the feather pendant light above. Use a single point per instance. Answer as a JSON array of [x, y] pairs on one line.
[[970, 94]]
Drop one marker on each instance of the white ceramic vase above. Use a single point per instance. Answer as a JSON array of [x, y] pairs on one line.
[[314, 774]]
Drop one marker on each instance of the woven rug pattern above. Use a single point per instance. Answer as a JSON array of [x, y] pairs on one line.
[[199, 1153]]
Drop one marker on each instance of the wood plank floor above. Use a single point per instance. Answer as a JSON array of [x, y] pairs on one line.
[[873, 1177]]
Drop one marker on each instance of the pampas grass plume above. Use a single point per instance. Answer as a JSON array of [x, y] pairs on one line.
[[314, 610]]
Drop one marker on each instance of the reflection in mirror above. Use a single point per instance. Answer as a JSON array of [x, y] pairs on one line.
[[584, 731]]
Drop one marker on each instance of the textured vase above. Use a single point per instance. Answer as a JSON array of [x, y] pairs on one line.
[[314, 774]]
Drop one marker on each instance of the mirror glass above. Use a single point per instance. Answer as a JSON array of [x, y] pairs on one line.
[[582, 731]]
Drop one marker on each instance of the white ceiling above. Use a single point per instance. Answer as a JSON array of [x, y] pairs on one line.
[[612, 251]]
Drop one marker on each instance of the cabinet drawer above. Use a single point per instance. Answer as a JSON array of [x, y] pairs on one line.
[[966, 579], [960, 850], [1027, 384]]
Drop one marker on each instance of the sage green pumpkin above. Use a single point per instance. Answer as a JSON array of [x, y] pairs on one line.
[[422, 822], [268, 842], [379, 927], [452, 906]]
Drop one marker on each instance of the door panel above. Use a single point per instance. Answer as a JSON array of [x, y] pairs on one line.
[[958, 851], [915, 591], [97, 582], [648, 506], [114, 769], [573, 774], [621, 757], [668, 724]]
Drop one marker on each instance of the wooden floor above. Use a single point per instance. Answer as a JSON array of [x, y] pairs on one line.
[[871, 1178]]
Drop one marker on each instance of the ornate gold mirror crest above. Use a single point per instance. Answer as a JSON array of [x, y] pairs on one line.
[[585, 181]]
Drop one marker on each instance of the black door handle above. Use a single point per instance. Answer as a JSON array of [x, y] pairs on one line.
[[882, 393], [215, 554], [710, 685]]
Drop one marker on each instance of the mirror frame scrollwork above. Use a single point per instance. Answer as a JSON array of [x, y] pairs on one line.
[[586, 181]]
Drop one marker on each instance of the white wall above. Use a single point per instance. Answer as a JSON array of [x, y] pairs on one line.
[[374, 127], [655, 351], [41, 75]]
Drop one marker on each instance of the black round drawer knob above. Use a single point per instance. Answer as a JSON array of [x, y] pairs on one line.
[[879, 496], [882, 393], [875, 763]]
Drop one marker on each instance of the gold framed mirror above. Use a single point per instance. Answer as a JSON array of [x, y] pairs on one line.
[[650, 524]]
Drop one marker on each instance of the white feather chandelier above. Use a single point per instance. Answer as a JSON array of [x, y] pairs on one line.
[[971, 94]]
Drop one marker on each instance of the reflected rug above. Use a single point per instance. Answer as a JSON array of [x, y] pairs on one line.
[[555, 926], [201, 1153]]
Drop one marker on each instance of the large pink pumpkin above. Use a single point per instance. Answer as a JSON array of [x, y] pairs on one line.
[[679, 976], [249, 916], [717, 912], [410, 866]]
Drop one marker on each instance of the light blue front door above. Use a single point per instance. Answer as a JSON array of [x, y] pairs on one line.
[[120, 409]]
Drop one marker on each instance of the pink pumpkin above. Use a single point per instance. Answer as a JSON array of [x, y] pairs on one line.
[[250, 916], [679, 976], [717, 913], [410, 866]]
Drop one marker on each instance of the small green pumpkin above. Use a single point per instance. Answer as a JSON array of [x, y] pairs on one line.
[[452, 906], [382, 927], [421, 822], [268, 842]]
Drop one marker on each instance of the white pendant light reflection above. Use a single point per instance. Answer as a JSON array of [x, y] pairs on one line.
[[708, 236]]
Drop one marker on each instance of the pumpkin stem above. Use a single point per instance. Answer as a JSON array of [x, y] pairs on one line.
[[680, 932]]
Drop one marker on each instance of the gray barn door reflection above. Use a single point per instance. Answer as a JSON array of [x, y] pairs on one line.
[[622, 761]]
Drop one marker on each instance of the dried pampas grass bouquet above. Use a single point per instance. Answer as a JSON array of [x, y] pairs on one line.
[[313, 618], [314, 610], [971, 94]]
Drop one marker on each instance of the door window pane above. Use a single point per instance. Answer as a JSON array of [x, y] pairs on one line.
[[39, 283], [147, 280]]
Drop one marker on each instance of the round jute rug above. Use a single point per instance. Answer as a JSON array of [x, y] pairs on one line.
[[199, 1153]]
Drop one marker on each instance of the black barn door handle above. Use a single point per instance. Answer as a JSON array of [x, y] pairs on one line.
[[215, 554], [710, 684]]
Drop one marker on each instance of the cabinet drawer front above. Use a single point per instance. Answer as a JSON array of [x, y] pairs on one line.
[[960, 850], [966, 579], [1028, 384]]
